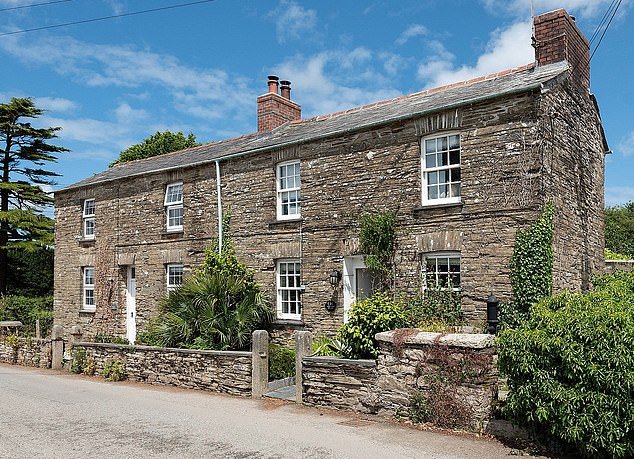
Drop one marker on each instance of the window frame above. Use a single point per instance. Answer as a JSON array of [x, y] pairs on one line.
[[436, 255], [425, 200], [85, 287], [279, 289], [88, 218], [279, 191], [173, 205], [171, 287]]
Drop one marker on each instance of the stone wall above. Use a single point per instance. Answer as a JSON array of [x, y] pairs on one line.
[[30, 352], [339, 383], [455, 375], [227, 372], [612, 266]]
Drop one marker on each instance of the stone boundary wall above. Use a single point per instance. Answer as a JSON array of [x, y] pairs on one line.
[[611, 266], [227, 372], [339, 383], [455, 375], [30, 352]]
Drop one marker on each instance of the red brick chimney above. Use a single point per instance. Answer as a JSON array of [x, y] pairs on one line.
[[275, 109], [557, 38]]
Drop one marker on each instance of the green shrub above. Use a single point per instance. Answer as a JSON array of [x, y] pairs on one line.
[[531, 269], [281, 362], [89, 367], [28, 310], [367, 318], [419, 412], [435, 306], [218, 307], [570, 368], [114, 370], [328, 347], [105, 338], [619, 229], [78, 361], [609, 255], [377, 233]]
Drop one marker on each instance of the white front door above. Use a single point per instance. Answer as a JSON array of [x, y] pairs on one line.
[[130, 305], [358, 282]]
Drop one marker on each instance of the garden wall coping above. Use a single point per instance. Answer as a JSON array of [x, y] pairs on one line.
[[134, 347], [335, 360], [465, 340]]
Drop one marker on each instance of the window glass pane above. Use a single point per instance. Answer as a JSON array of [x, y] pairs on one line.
[[432, 178], [430, 160], [455, 174], [174, 194], [454, 141], [432, 192], [442, 158], [455, 190], [455, 280], [443, 176], [442, 144], [454, 265], [430, 146], [443, 265], [89, 227], [442, 191], [89, 276], [454, 157]]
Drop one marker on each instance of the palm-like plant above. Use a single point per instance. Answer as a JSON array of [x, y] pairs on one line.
[[218, 307]]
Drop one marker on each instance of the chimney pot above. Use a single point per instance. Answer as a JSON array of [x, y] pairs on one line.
[[273, 84], [286, 89]]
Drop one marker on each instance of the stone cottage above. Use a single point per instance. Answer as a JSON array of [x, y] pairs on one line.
[[464, 166]]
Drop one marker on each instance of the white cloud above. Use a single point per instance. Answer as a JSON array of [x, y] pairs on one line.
[[330, 81], [616, 195], [90, 130], [128, 115], [584, 8], [507, 48], [415, 30], [197, 92], [626, 146], [55, 104], [293, 20]]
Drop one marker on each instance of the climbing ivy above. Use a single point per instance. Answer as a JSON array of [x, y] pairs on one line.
[[531, 268], [377, 234]]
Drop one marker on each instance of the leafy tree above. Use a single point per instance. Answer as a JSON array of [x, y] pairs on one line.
[[23, 152], [157, 144], [619, 229], [30, 272]]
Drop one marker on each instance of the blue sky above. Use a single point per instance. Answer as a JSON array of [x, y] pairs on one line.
[[200, 68]]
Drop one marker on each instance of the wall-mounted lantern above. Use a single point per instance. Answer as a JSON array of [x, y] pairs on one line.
[[334, 278], [330, 305], [492, 314]]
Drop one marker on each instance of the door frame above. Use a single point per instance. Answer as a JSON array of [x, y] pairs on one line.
[[350, 266], [130, 305]]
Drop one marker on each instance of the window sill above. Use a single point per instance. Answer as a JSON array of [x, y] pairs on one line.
[[282, 222], [87, 311], [86, 242], [292, 323], [447, 205]]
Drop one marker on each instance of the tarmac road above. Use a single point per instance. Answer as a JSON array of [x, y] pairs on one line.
[[51, 414]]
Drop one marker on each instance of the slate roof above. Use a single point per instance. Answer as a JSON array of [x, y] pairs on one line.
[[296, 132]]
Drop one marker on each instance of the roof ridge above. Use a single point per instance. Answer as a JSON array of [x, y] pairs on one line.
[[419, 93], [197, 147]]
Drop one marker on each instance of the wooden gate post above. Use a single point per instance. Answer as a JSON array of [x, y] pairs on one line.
[[260, 363], [303, 348]]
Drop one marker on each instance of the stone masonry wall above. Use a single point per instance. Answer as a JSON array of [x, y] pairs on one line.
[[340, 384], [227, 372], [573, 152], [30, 352], [455, 374], [503, 189]]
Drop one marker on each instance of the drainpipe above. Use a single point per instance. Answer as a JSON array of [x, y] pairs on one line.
[[218, 192]]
